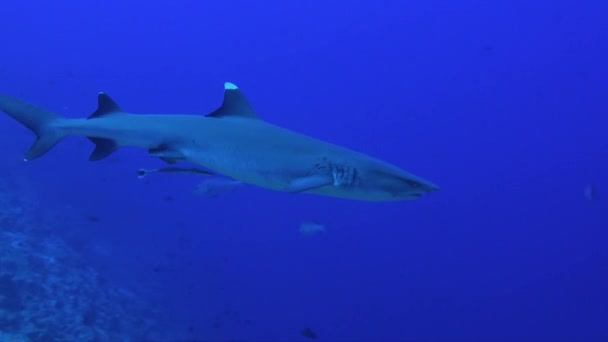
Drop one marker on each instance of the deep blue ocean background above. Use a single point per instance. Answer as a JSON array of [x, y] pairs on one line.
[[503, 104]]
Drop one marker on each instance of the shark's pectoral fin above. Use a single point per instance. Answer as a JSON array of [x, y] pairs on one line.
[[167, 154], [308, 183], [103, 148]]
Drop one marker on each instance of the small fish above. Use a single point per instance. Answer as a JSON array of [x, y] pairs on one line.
[[216, 186], [589, 192], [308, 333], [93, 218], [141, 173], [311, 228]]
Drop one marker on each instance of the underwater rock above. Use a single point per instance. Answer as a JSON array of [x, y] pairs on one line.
[[48, 297]]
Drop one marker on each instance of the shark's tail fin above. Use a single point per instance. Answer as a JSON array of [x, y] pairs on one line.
[[37, 120]]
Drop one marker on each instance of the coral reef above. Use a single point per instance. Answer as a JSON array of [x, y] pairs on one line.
[[49, 293]]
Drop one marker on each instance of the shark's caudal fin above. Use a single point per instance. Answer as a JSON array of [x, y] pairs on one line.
[[37, 120]]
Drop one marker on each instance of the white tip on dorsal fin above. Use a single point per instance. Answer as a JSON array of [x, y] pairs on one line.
[[235, 104], [230, 86]]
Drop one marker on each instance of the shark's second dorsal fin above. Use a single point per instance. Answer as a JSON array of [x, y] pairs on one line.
[[235, 104], [105, 106]]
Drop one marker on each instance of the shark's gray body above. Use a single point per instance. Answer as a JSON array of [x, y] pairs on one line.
[[231, 141]]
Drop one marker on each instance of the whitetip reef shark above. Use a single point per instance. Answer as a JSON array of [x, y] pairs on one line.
[[232, 141]]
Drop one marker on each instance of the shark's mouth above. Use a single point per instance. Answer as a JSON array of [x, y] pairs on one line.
[[402, 186]]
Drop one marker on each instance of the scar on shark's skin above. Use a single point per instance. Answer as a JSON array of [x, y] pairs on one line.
[[231, 141], [341, 174]]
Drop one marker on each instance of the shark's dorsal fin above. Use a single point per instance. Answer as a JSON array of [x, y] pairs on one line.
[[235, 104], [105, 106]]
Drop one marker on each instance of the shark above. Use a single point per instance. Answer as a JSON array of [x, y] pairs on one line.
[[232, 141]]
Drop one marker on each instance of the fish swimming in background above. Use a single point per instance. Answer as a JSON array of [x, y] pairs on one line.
[[214, 187], [309, 333], [141, 173], [311, 228], [232, 141], [589, 192]]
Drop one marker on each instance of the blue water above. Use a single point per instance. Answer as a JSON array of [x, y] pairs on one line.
[[503, 104]]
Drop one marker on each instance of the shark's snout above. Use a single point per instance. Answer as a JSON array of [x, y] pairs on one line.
[[398, 184], [428, 187], [407, 186], [390, 183], [418, 187]]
